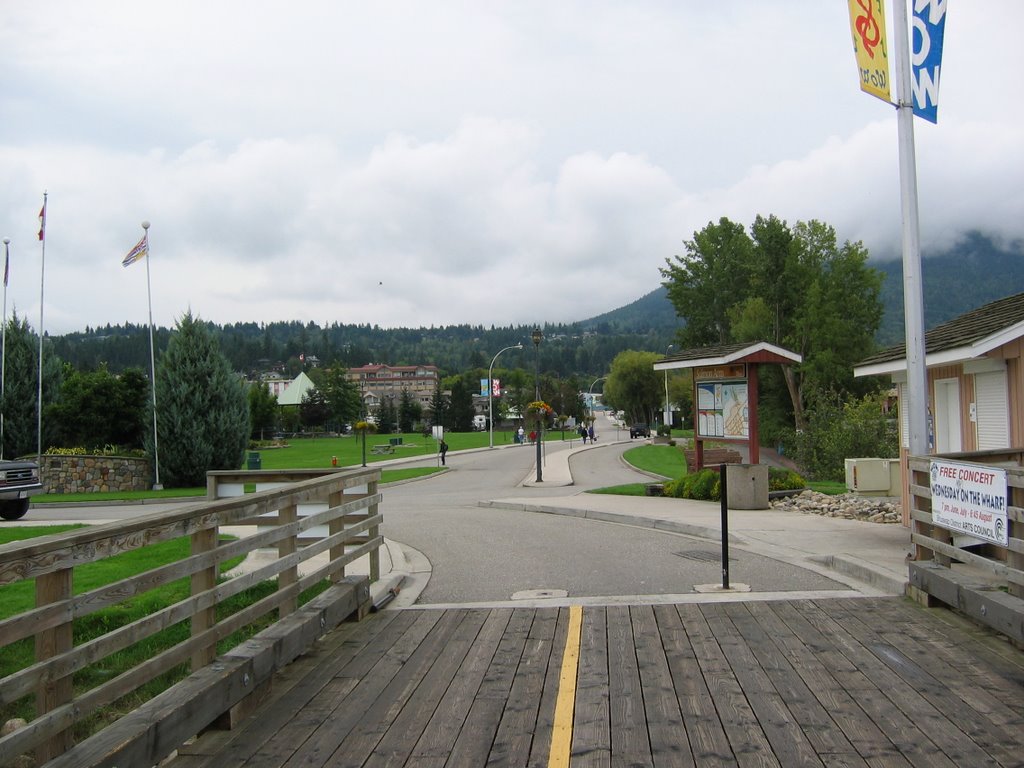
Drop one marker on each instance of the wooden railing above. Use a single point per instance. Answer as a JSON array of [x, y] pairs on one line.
[[985, 581], [342, 507]]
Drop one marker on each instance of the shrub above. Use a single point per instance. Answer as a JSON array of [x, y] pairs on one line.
[[838, 430], [703, 486], [784, 480]]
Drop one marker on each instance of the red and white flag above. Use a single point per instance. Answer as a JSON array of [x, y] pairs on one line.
[[42, 221]]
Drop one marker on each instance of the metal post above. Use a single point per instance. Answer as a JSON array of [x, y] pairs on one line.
[[668, 412], [913, 288], [723, 481], [3, 342], [536, 336], [490, 395]]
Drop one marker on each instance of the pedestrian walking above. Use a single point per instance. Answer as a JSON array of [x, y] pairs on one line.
[[590, 432], [444, 449], [583, 433], [520, 436]]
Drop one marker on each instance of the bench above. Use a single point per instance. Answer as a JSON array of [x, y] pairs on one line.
[[712, 457], [382, 449]]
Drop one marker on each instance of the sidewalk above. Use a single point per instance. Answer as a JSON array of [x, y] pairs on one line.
[[868, 556]]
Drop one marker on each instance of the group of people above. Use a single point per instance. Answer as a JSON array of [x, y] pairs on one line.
[[586, 432]]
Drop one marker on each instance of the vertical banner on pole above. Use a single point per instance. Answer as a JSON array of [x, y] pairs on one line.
[[929, 29], [867, 23]]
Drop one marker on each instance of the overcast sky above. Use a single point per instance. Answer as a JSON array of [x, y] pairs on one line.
[[432, 163]]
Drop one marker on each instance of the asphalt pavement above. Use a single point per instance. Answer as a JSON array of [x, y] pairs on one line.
[[837, 556]]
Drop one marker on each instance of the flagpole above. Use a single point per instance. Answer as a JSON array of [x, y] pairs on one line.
[[42, 284], [152, 362], [3, 341], [913, 288]]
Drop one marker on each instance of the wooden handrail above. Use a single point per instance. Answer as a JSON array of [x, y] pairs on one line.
[[346, 503]]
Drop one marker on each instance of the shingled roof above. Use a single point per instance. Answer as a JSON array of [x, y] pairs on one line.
[[966, 337], [749, 352]]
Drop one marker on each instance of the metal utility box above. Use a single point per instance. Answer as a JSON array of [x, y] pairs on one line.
[[873, 477]]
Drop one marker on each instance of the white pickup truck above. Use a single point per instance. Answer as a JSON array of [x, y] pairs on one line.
[[18, 481]]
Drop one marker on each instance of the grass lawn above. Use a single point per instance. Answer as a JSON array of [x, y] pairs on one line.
[[665, 460]]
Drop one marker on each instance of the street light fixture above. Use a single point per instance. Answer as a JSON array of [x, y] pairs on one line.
[[668, 413], [590, 394], [536, 336], [490, 395]]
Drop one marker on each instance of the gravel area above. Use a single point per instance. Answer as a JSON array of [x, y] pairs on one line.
[[872, 509]]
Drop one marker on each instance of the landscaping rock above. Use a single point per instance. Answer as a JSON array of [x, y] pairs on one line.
[[872, 509]]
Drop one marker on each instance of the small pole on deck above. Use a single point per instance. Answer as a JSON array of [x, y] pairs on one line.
[[725, 525]]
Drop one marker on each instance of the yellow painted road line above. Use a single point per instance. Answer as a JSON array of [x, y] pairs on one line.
[[561, 733]]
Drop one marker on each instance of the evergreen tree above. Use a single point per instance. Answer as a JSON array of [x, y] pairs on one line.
[[387, 416], [460, 411], [314, 410], [97, 409], [21, 390], [202, 409], [409, 412], [262, 410], [438, 406]]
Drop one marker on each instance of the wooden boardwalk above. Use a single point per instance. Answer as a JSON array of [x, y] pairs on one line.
[[873, 681]]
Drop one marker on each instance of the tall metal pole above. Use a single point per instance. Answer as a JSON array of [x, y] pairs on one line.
[[590, 394], [536, 336], [152, 362], [42, 284], [913, 290], [3, 341], [668, 413], [490, 395]]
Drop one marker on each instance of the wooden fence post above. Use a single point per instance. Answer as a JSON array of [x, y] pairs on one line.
[[285, 547], [202, 620], [52, 588], [372, 534]]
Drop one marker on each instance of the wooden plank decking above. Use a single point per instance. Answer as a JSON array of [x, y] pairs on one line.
[[875, 681]]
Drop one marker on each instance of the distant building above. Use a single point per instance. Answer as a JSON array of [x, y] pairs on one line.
[[378, 382]]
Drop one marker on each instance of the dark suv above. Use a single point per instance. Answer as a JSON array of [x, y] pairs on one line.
[[18, 481], [639, 430]]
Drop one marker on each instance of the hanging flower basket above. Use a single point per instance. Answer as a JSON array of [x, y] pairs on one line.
[[539, 412]]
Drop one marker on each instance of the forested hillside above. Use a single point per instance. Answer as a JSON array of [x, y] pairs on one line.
[[972, 273]]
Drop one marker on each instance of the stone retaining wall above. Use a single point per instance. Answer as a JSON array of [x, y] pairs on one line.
[[89, 474]]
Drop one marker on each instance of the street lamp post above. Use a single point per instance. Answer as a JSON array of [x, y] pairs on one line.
[[668, 413], [590, 394], [490, 395], [536, 336]]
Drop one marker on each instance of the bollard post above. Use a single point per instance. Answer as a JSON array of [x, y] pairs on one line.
[[723, 482]]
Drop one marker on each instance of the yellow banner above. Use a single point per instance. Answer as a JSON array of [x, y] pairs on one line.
[[867, 23]]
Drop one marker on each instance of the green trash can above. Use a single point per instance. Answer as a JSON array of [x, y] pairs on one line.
[[254, 462], [395, 440]]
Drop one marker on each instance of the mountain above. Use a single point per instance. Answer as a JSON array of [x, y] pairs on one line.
[[966, 276], [963, 277], [652, 311]]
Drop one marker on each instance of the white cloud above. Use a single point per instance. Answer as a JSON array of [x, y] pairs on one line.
[[435, 164]]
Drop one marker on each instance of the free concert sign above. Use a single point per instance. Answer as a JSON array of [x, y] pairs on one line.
[[971, 499]]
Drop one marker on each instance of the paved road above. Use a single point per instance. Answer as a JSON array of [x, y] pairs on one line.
[[489, 555]]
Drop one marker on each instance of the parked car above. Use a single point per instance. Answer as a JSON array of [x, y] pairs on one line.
[[18, 481], [639, 430]]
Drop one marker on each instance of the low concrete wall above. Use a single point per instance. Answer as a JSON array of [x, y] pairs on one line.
[[91, 474]]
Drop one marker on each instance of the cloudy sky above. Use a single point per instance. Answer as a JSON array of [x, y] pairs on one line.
[[431, 163]]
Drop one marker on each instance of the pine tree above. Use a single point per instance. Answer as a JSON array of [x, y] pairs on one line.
[[202, 409]]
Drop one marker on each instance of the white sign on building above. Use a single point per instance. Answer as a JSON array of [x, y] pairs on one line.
[[970, 499]]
